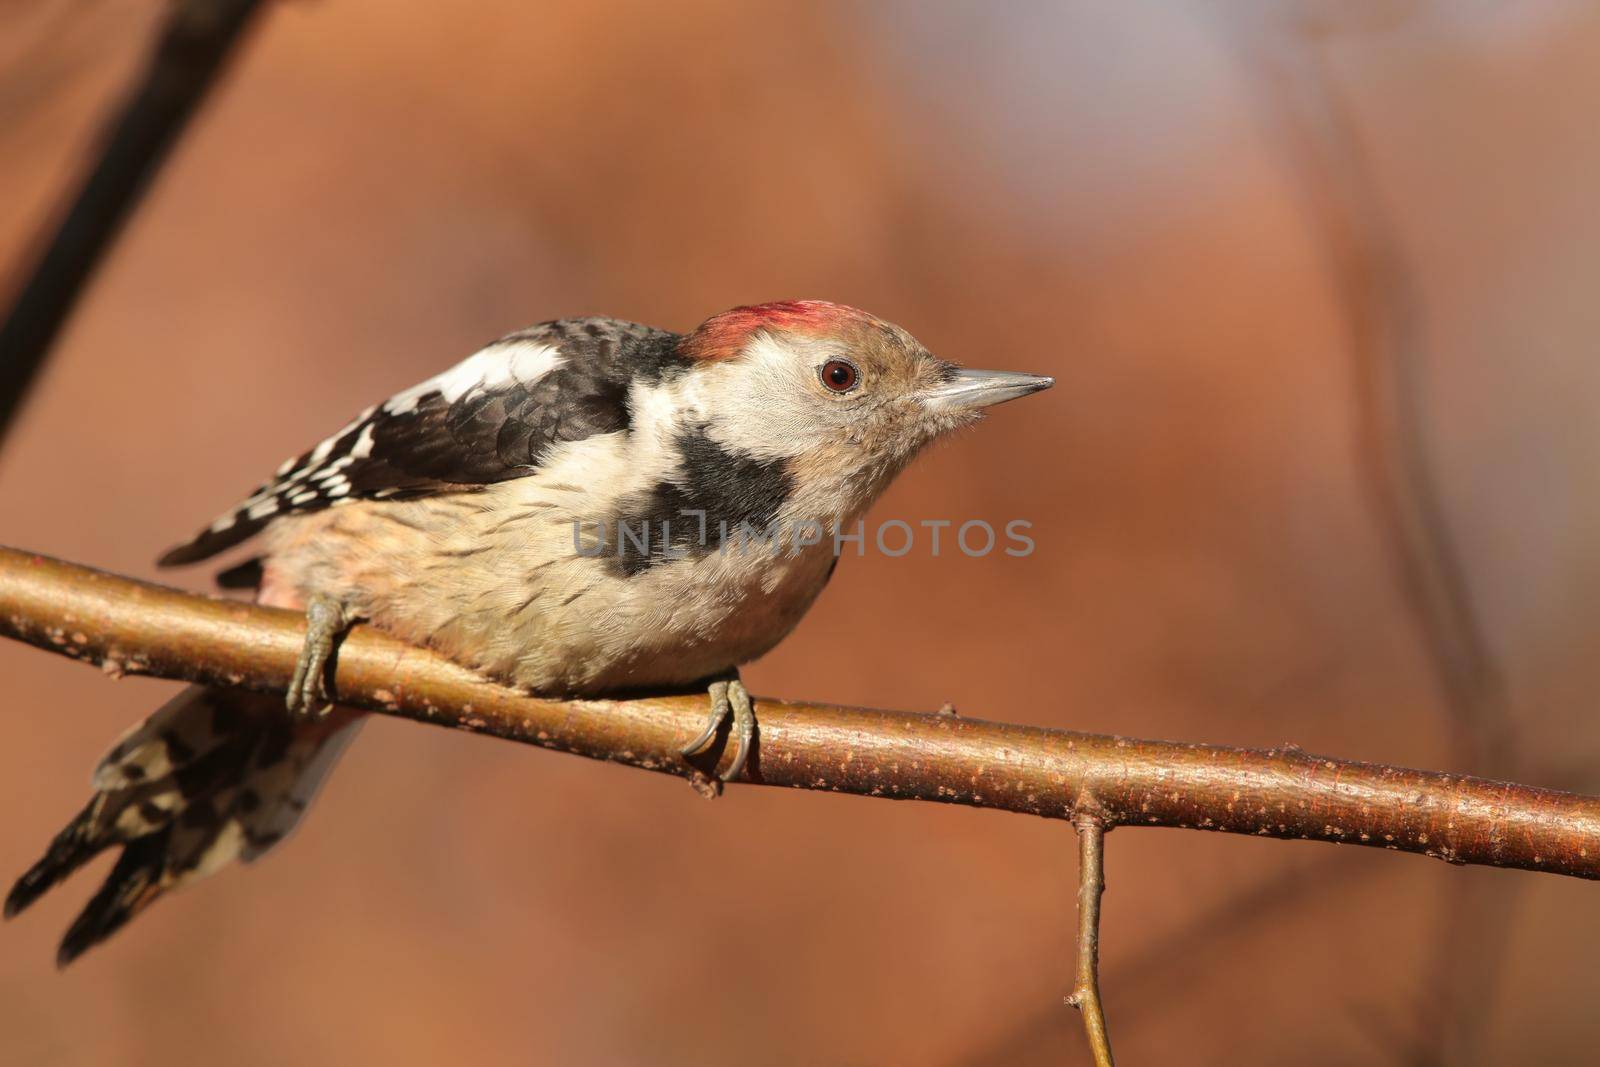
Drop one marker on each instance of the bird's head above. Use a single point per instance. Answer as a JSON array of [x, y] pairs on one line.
[[801, 374], [839, 395]]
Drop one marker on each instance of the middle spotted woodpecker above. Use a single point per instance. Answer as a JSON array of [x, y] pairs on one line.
[[555, 512]]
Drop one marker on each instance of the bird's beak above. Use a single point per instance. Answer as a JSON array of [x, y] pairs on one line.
[[969, 390]]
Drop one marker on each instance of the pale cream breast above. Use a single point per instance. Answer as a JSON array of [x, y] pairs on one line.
[[494, 579]]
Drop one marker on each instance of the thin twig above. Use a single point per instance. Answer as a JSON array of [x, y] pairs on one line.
[[195, 41], [127, 626], [1149, 981], [1091, 885]]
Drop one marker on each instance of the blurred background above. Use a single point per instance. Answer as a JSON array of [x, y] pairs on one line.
[[1317, 283]]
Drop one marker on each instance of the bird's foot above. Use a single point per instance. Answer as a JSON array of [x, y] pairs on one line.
[[326, 619], [729, 700]]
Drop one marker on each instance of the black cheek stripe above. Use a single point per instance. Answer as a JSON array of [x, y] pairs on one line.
[[729, 487]]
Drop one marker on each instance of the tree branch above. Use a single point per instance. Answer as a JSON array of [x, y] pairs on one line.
[[127, 626], [1091, 886]]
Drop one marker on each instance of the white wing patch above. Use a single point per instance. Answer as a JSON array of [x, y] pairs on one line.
[[486, 419], [495, 366], [304, 480]]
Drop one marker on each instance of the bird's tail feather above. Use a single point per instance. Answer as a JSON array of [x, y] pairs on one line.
[[214, 775]]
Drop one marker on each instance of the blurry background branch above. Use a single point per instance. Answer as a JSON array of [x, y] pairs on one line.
[[1284, 52], [195, 41], [127, 626]]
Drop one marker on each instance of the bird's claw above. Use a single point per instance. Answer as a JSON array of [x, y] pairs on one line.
[[728, 700], [308, 690], [720, 709]]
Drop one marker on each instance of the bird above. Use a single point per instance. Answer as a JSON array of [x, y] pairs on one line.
[[554, 512]]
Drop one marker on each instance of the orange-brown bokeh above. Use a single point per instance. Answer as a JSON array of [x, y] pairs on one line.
[[1111, 194]]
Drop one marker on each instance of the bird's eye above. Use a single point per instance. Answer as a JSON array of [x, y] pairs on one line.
[[839, 375]]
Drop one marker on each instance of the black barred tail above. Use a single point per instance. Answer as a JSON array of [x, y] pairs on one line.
[[213, 776]]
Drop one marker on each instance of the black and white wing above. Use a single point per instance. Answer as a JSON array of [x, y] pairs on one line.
[[490, 418]]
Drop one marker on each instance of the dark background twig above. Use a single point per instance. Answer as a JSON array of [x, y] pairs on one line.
[[193, 47]]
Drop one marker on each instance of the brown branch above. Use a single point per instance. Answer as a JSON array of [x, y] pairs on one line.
[[127, 626], [1091, 886]]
